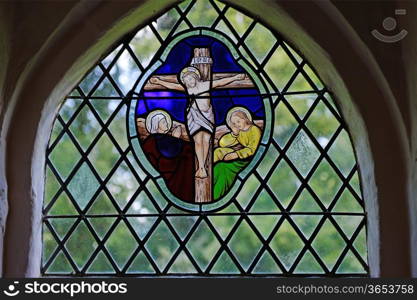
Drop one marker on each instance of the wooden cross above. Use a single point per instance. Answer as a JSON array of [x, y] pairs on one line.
[[203, 186]]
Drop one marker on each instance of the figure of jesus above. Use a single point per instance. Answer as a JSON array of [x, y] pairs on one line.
[[200, 117]]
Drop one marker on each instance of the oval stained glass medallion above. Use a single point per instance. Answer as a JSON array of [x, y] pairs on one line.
[[200, 120]]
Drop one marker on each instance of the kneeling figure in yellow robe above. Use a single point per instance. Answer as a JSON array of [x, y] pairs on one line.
[[245, 133]]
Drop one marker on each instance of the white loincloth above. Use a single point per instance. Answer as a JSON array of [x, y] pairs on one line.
[[197, 120]]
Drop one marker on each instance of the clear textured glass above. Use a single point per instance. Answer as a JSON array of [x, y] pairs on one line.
[[161, 245], [303, 153], [287, 244], [203, 245], [260, 42]]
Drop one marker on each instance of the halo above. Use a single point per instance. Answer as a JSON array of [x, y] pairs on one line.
[[189, 70], [235, 109], [155, 112]]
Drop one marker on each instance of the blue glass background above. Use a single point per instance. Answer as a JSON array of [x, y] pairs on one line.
[[223, 62]]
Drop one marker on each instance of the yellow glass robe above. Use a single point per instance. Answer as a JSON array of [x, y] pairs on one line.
[[249, 139]]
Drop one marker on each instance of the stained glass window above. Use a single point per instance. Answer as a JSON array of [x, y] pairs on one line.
[[203, 145]]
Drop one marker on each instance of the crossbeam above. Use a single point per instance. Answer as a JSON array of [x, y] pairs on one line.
[[238, 84]]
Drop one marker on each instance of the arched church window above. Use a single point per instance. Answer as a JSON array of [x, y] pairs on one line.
[[202, 144]]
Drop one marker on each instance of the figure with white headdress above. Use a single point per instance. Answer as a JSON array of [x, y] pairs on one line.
[[171, 155], [200, 117]]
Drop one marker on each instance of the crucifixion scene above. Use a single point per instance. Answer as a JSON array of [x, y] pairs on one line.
[[200, 120]]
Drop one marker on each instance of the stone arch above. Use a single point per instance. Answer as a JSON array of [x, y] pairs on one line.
[[90, 29]]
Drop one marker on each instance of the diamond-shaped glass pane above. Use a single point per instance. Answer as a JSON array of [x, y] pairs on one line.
[[110, 57], [355, 183], [145, 44], [260, 42], [141, 265], [268, 161], [182, 224], [267, 265], [347, 203], [264, 203], [301, 103], [102, 205], [299, 84], [360, 244], [280, 68], [182, 27], [122, 185], [100, 265], [182, 265], [223, 27], [203, 245], [329, 99], [104, 156], [118, 128], [265, 224], [142, 225], [325, 182], [249, 188], [286, 244], [61, 226], [351, 265], [313, 76], [184, 4], [83, 185], [106, 88], [306, 203], [62, 206], [328, 244], [349, 224], [223, 224], [323, 125], [91, 80], [239, 21], [101, 225], [136, 168], [49, 244], [162, 245], [284, 183], [142, 205], [104, 107], [245, 244], [341, 153], [60, 265], [303, 153], [125, 72], [284, 125], [156, 195], [166, 22], [307, 223], [308, 265], [68, 110], [51, 186], [56, 131], [81, 244], [64, 156], [225, 265], [121, 244], [85, 127], [202, 14]]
